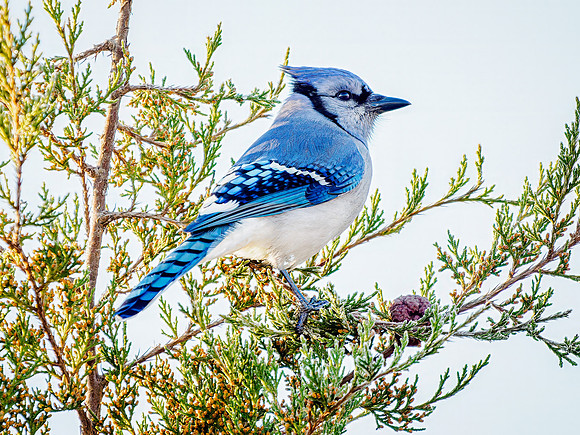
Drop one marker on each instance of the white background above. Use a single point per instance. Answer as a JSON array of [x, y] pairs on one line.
[[496, 73]]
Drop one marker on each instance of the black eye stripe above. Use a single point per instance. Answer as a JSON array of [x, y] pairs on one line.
[[360, 99], [364, 95], [317, 103], [310, 92]]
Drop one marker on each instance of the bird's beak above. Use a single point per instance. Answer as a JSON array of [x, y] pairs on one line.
[[380, 103]]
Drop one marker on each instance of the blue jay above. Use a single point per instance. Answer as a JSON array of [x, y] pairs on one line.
[[296, 188]]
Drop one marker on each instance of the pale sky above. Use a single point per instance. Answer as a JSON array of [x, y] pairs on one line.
[[496, 73]]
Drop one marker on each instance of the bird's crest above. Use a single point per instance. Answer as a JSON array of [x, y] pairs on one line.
[[313, 75]]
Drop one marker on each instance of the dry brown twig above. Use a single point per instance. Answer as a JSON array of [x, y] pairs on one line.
[[96, 380]]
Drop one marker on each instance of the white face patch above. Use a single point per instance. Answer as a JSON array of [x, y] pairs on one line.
[[318, 178]]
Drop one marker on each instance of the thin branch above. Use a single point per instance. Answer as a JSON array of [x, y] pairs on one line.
[[513, 279], [19, 151], [378, 325], [86, 196], [84, 170], [188, 334], [83, 166], [110, 45], [261, 113], [41, 315], [107, 217], [182, 91], [131, 132], [39, 308], [397, 224], [18, 203], [130, 271], [163, 348], [520, 327], [350, 376], [96, 381]]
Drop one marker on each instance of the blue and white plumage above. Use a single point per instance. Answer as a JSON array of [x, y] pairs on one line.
[[296, 188]]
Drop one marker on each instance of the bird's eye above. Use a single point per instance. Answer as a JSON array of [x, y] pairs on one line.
[[343, 95]]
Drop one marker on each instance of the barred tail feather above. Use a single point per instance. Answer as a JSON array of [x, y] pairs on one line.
[[176, 264]]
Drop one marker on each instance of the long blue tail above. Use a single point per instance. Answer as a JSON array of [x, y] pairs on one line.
[[176, 264]]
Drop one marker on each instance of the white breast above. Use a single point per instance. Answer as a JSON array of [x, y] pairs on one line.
[[287, 239]]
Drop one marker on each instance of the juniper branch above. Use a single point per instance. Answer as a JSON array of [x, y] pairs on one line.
[[182, 91], [107, 217], [110, 45], [533, 269], [40, 313], [84, 167], [397, 224], [135, 135], [183, 338], [520, 327], [96, 380], [188, 334]]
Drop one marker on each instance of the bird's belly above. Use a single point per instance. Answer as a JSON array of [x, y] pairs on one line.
[[287, 239]]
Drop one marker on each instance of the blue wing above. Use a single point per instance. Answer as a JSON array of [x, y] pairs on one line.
[[275, 175], [293, 165], [267, 187]]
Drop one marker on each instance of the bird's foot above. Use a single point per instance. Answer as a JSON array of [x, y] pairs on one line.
[[307, 308]]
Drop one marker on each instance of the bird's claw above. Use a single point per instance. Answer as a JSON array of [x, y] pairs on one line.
[[305, 310], [315, 304]]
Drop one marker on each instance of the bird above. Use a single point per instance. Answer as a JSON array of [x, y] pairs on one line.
[[298, 186]]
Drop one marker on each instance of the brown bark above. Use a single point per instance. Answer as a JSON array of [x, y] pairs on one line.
[[96, 381]]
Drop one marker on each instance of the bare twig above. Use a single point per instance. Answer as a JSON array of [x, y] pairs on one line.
[[182, 91], [97, 381], [104, 159], [135, 135], [188, 334], [108, 216], [109, 45], [162, 348]]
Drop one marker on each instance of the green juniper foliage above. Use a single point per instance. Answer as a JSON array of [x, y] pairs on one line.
[[130, 187]]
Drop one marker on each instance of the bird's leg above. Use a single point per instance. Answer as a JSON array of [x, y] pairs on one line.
[[306, 306]]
